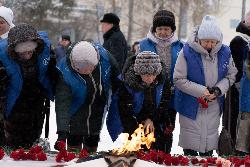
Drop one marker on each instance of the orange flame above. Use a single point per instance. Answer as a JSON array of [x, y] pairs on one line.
[[138, 138]]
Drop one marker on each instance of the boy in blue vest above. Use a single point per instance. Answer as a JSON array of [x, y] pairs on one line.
[[203, 65], [243, 124], [26, 59], [140, 100], [87, 74], [162, 40]]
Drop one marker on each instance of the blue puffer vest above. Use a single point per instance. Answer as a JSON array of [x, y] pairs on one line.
[[14, 72], [114, 124], [188, 105], [148, 45], [78, 85]]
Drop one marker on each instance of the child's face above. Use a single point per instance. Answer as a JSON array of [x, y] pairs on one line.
[[163, 31]]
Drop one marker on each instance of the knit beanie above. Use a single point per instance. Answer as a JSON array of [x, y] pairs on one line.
[[83, 54], [164, 18], [247, 18], [7, 15], [147, 63], [209, 29]]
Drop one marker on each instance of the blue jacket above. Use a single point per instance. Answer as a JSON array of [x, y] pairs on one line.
[[244, 93], [186, 104], [148, 45], [14, 73], [114, 124], [77, 83]]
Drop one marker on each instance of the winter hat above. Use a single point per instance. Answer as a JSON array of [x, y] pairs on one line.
[[66, 37], [147, 63], [83, 54], [247, 18], [164, 18], [209, 28], [23, 33], [111, 18], [7, 15]]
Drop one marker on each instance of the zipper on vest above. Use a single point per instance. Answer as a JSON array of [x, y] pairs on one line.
[[92, 101]]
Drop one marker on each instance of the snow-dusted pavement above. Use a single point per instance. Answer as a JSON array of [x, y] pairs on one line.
[[104, 144]]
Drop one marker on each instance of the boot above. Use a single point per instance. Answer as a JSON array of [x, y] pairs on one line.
[[74, 143]]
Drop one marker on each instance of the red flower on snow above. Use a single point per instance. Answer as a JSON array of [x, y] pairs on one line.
[[1, 153], [83, 153], [61, 145]]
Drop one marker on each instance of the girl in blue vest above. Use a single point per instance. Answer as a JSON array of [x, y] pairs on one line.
[[161, 39], [87, 73], [30, 71], [243, 124], [139, 100], [204, 69]]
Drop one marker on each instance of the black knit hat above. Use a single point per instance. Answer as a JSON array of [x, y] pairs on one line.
[[111, 18], [66, 37], [164, 18]]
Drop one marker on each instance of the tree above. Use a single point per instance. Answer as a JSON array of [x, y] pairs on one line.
[[130, 19], [42, 14]]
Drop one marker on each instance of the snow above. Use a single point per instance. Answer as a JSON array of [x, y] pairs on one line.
[[105, 140], [104, 145]]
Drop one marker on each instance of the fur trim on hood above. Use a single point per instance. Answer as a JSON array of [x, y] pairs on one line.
[[22, 33]]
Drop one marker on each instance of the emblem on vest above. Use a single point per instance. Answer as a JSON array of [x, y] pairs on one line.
[[46, 61]]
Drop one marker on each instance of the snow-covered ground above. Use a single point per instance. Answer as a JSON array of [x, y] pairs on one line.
[[105, 142]]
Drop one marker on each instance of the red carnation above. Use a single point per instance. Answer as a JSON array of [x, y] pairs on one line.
[[36, 149], [32, 156], [184, 161], [247, 162], [202, 161], [211, 160], [59, 157], [175, 161], [61, 145], [168, 161], [25, 156], [70, 156], [1, 153], [84, 153], [41, 156], [15, 155], [194, 161]]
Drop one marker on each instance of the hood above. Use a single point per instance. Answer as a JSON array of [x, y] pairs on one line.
[[161, 41], [242, 28], [23, 33], [134, 81], [194, 44]]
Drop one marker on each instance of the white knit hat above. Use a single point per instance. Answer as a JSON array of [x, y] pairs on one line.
[[82, 54], [209, 29], [7, 15]]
